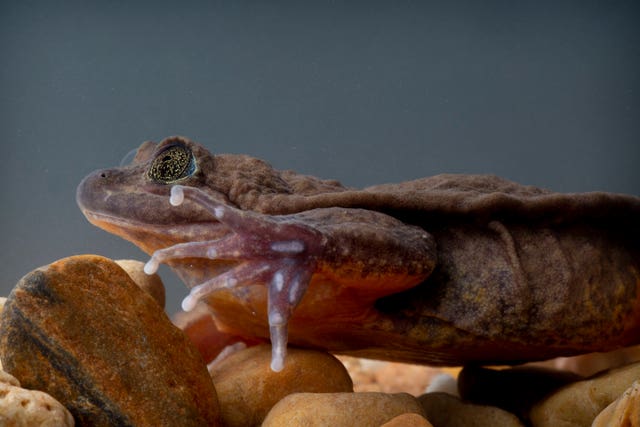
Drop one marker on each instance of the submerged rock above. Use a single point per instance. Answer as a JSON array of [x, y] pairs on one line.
[[81, 330], [248, 388], [579, 403], [408, 420], [22, 407], [624, 412], [341, 409], [445, 410], [150, 283]]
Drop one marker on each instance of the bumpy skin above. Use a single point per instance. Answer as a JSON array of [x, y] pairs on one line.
[[451, 269]]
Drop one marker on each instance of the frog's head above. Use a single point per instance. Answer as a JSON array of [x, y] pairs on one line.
[[132, 201]]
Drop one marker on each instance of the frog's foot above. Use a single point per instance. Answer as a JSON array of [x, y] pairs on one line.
[[277, 251]]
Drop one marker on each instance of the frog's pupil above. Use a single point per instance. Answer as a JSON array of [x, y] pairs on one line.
[[174, 163]]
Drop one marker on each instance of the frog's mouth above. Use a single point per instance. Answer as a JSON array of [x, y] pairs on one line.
[[150, 237]]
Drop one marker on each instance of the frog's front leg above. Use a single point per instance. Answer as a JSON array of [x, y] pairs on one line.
[[352, 248]]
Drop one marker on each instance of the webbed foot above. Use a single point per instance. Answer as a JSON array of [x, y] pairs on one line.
[[277, 251]]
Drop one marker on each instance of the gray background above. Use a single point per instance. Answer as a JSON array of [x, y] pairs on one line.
[[544, 93]]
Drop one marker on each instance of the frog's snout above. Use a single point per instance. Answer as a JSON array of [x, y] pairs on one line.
[[88, 188]]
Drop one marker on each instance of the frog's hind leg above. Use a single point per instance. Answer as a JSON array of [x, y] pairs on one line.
[[277, 251]]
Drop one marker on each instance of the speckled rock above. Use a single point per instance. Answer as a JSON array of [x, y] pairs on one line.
[[150, 283], [578, 404], [444, 410], [29, 408], [515, 390], [341, 409], [248, 388], [82, 331], [408, 420], [624, 412]]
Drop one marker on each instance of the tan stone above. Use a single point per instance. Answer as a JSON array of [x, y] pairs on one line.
[[578, 404], [408, 420], [248, 388], [150, 283], [82, 331], [623, 412], [340, 409], [30, 408], [444, 410]]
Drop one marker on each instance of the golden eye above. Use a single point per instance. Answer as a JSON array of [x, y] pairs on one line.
[[172, 164]]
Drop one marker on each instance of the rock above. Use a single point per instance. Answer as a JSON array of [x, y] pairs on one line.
[[408, 420], [515, 390], [341, 409], [150, 283], [579, 403], [444, 410], [624, 412], [82, 331], [21, 407], [248, 388]]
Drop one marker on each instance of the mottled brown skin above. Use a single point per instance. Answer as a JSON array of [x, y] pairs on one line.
[[451, 269]]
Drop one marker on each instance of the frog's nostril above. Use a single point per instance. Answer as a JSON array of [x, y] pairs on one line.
[[103, 175]]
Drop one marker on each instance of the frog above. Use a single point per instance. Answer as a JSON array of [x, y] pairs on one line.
[[451, 269]]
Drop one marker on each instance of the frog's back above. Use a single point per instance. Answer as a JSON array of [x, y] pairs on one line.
[[485, 196], [470, 198]]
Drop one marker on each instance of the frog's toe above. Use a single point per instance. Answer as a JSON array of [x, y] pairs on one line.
[[245, 273], [286, 289]]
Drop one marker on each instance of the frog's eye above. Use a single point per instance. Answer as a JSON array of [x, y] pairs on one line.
[[172, 164]]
